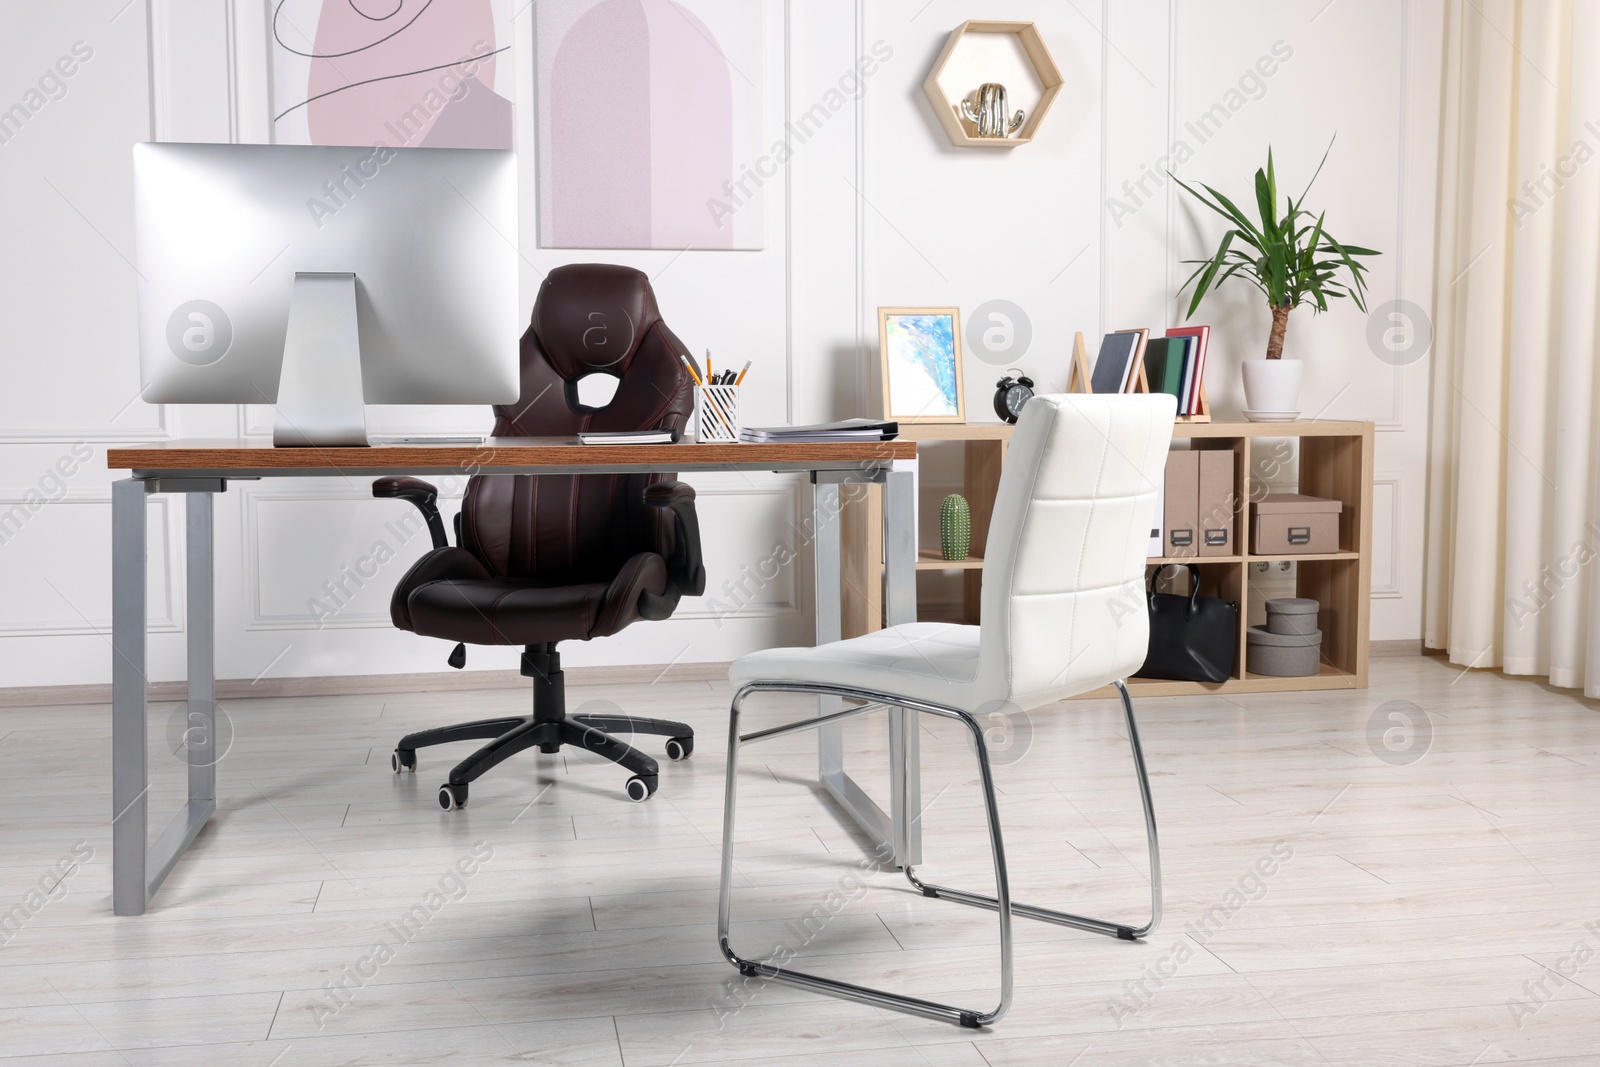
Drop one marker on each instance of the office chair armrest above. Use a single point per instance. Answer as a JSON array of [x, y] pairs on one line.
[[686, 574], [420, 493]]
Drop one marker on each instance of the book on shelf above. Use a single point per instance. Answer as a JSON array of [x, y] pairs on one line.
[[1112, 365], [1186, 385], [1163, 364], [1195, 385], [844, 430], [1141, 335]]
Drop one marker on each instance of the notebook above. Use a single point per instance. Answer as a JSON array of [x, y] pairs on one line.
[[630, 437]]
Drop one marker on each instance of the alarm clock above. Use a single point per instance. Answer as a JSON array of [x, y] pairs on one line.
[[1010, 394]]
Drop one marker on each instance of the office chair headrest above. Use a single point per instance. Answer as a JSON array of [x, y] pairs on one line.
[[592, 316]]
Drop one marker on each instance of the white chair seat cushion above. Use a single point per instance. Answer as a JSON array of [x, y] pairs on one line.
[[928, 661]]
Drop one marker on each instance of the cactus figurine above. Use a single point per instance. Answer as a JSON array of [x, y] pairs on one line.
[[955, 527]]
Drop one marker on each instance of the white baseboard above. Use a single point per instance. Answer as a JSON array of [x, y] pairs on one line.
[[437, 681], [363, 684]]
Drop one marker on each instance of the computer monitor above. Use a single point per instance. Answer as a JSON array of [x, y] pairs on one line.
[[316, 278]]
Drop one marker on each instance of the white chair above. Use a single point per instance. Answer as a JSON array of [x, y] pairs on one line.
[[1063, 613]]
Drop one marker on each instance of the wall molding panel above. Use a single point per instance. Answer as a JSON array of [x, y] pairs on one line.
[[874, 207], [258, 565], [164, 549], [796, 497], [1387, 587]]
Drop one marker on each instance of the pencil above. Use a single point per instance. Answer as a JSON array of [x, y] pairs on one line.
[[740, 379], [690, 368], [709, 376]]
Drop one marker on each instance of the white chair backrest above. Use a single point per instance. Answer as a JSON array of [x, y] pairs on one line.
[[1063, 573]]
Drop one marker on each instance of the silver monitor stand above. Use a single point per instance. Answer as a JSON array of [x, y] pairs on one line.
[[320, 391]]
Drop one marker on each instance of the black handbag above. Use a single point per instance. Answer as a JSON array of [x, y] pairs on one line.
[[1193, 638]]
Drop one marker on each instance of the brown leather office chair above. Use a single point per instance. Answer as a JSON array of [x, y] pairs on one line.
[[558, 557]]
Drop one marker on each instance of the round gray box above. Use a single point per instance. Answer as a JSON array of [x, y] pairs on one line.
[[1282, 655], [1292, 615]]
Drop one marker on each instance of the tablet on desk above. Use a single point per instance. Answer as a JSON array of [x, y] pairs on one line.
[[427, 438]]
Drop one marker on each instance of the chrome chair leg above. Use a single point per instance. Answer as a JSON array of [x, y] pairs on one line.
[[849, 990], [1062, 918]]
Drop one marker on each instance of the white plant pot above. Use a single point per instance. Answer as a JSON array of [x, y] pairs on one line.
[[1272, 386]]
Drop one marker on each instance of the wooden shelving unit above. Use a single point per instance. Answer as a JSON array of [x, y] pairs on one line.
[[1334, 459], [931, 560]]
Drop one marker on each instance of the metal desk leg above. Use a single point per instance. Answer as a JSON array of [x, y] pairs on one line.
[[830, 627], [130, 783], [900, 606], [137, 872], [897, 832], [200, 734]]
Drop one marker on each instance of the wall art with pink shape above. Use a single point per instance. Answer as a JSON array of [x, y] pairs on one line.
[[402, 73], [650, 124]]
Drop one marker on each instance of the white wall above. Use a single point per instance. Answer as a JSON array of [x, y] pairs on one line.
[[876, 208], [1364, 70]]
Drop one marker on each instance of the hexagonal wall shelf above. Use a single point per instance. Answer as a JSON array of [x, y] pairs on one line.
[[981, 51]]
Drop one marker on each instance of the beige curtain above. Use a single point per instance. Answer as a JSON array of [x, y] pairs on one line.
[[1512, 532]]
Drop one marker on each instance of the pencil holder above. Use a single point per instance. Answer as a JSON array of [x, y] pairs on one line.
[[716, 414]]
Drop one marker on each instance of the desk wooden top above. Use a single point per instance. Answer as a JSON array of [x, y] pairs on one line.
[[256, 457]]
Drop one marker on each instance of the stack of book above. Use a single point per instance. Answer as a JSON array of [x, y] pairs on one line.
[[1174, 364], [847, 430]]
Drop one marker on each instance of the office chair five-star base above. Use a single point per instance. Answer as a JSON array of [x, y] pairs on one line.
[[548, 728]]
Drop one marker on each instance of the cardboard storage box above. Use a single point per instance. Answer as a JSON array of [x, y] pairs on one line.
[[1182, 503], [1216, 499], [1290, 524]]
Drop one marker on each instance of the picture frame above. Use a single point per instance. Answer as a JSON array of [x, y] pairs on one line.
[[919, 354]]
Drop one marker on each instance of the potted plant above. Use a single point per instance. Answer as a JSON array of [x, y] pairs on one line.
[[1292, 260]]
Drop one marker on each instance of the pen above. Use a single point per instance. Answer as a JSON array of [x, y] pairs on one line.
[[690, 368], [740, 379]]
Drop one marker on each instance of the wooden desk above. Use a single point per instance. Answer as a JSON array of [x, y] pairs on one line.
[[257, 458], [199, 469]]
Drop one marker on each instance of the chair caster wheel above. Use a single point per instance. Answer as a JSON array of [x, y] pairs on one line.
[[640, 788], [680, 748], [401, 760], [452, 796]]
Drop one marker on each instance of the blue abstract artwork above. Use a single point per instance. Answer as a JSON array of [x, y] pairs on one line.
[[920, 354]]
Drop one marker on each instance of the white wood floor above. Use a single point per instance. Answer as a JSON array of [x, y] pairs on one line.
[[1440, 910]]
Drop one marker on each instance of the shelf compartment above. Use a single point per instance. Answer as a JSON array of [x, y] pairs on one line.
[[963, 431], [1327, 670], [1328, 678], [1033, 59], [929, 559]]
